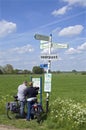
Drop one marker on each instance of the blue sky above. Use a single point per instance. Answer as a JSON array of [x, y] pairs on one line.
[[20, 20]]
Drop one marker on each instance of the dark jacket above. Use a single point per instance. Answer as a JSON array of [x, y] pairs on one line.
[[31, 92]]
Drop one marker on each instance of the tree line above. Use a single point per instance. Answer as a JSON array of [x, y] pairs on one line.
[[8, 69]]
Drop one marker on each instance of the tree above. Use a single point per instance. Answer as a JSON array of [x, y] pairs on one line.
[[37, 70], [8, 69], [26, 71], [1, 70], [74, 71]]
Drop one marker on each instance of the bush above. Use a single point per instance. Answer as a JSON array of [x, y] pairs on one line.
[[67, 114], [83, 73]]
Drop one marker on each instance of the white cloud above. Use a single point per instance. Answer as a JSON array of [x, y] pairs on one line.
[[79, 49], [17, 50], [6, 28], [19, 57], [24, 49], [60, 11], [69, 6], [72, 51], [79, 2], [82, 47], [71, 30]]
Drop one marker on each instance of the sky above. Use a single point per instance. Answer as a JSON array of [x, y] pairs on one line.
[[20, 20]]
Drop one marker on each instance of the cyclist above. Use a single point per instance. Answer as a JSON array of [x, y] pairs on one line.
[[21, 97], [31, 93]]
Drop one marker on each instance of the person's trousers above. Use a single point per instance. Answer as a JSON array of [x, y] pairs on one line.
[[22, 106], [29, 104]]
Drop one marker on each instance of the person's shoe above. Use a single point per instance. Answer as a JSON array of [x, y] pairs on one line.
[[27, 119]]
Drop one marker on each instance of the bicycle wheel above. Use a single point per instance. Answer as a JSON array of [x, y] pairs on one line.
[[39, 114], [11, 115]]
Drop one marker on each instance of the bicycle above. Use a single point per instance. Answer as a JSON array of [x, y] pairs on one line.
[[13, 110], [37, 111]]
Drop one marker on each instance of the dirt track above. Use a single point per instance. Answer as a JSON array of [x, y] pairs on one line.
[[4, 127]]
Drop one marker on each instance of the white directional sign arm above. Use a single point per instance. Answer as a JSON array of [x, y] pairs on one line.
[[41, 37], [59, 45], [43, 42], [43, 46]]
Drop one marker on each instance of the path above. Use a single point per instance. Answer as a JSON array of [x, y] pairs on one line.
[[4, 127]]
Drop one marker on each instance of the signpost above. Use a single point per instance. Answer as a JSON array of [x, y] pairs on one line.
[[47, 83], [42, 41], [46, 42], [44, 46], [41, 37], [49, 57], [59, 45], [43, 65]]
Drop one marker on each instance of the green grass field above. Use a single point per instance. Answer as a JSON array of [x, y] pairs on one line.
[[69, 86], [68, 89]]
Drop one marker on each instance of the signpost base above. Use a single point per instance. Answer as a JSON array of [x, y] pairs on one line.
[[47, 102]]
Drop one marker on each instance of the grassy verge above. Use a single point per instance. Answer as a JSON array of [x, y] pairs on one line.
[[67, 102]]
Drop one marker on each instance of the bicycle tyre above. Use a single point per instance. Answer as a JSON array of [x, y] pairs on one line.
[[11, 115], [39, 114]]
